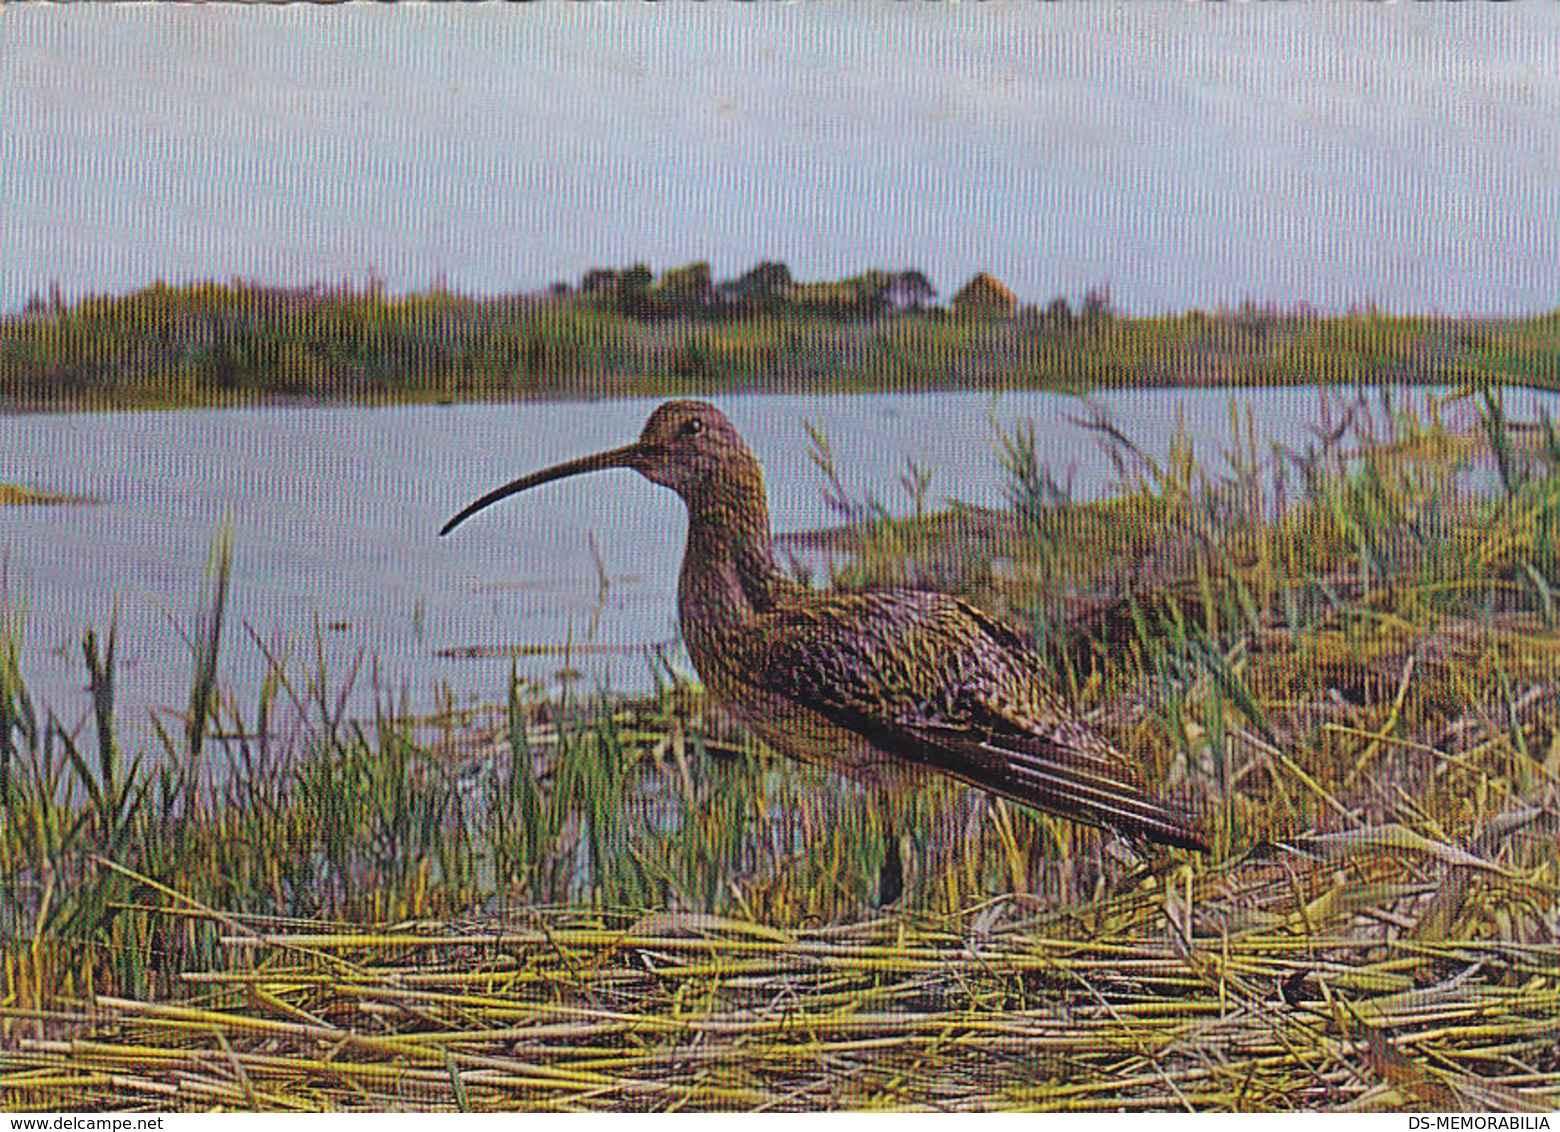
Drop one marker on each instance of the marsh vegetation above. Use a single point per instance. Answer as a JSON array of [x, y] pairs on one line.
[[1345, 657], [628, 333]]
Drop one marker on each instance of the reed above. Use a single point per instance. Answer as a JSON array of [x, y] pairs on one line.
[[592, 902]]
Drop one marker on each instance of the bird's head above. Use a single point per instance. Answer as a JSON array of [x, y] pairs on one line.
[[688, 446]]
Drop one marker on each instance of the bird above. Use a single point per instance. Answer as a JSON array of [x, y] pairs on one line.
[[889, 686]]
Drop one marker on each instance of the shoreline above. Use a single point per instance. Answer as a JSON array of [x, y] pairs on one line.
[[12, 407], [15, 495], [240, 345]]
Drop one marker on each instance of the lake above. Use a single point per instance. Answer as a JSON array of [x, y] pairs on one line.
[[335, 514]]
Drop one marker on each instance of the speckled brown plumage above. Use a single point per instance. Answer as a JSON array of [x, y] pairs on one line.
[[876, 684]]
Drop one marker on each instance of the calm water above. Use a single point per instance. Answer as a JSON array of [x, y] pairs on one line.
[[335, 513]]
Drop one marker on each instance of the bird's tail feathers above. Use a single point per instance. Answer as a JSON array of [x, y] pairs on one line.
[[1074, 785]]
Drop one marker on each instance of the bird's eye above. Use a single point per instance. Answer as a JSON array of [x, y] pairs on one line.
[[692, 427]]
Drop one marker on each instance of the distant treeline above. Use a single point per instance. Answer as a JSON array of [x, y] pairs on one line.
[[627, 332]]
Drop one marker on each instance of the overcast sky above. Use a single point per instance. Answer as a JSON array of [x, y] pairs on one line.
[[1190, 155]]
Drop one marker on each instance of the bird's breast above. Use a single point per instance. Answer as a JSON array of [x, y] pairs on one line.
[[800, 733]]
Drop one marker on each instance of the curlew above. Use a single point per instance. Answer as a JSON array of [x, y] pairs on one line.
[[887, 686]]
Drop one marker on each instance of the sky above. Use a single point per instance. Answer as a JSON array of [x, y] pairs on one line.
[[1186, 156]]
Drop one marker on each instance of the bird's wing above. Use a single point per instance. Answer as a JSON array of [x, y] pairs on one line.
[[936, 682]]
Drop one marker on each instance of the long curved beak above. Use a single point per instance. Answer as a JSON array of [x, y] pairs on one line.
[[635, 456]]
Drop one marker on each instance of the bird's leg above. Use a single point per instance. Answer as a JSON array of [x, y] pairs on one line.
[[1145, 862], [891, 876]]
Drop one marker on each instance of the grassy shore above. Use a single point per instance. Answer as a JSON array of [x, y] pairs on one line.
[[14, 495], [241, 343], [598, 903]]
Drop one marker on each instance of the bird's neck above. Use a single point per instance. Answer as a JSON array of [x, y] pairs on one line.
[[729, 571]]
